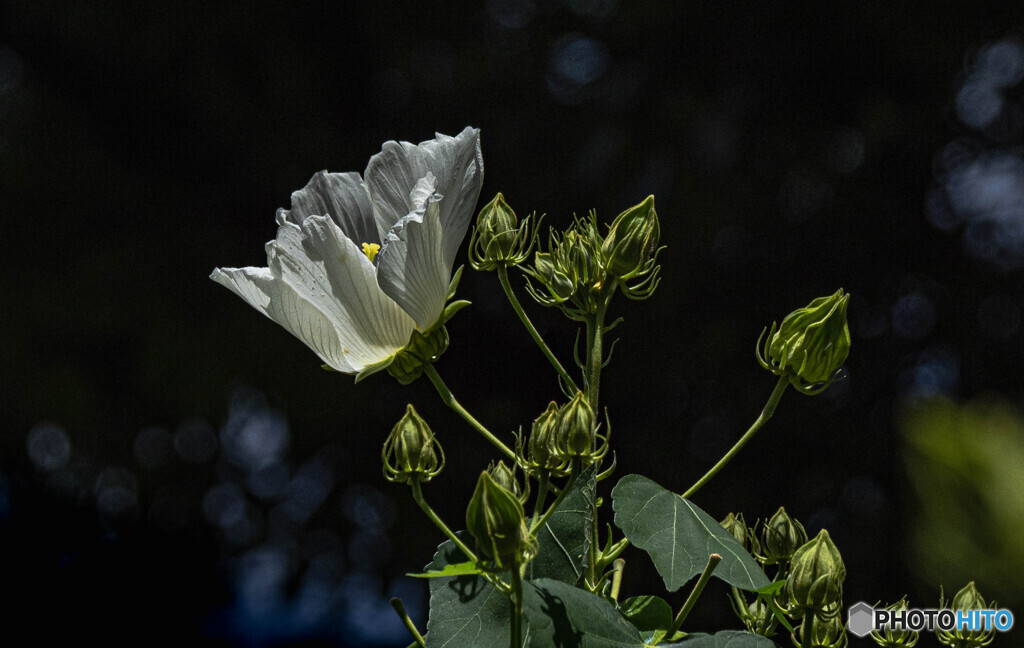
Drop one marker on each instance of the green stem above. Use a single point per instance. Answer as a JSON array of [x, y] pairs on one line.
[[542, 494], [595, 338], [766, 413], [518, 308], [396, 603], [558, 500], [449, 400], [617, 566], [417, 494], [691, 600], [517, 608], [807, 629]]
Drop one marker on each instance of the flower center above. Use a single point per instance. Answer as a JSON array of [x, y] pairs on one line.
[[371, 250]]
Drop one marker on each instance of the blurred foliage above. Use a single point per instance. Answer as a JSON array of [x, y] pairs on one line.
[[965, 463]]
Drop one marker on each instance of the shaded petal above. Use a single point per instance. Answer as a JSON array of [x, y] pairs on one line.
[[325, 268], [323, 290], [411, 267], [456, 163], [342, 196], [280, 303]]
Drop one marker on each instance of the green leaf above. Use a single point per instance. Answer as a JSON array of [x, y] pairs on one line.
[[558, 614], [772, 588], [679, 536], [454, 283], [464, 610], [651, 615], [457, 569], [726, 639], [565, 538]]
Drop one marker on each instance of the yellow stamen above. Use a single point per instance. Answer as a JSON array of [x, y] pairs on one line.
[[371, 250]]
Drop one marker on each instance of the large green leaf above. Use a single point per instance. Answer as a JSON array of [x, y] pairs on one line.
[[464, 610], [560, 615], [726, 639], [565, 538], [679, 537]]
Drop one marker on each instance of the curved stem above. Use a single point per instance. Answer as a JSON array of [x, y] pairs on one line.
[[517, 609], [417, 494], [558, 500], [449, 400], [518, 308], [691, 600], [542, 494], [766, 413]]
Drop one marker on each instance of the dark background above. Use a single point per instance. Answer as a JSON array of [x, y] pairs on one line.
[[175, 466]]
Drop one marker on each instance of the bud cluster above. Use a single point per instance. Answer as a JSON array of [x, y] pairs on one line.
[[561, 435], [580, 264]]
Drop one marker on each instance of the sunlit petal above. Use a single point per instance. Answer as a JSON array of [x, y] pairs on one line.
[[341, 196]]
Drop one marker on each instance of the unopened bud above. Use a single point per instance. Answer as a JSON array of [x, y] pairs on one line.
[[967, 599], [411, 451], [498, 239], [504, 477], [497, 521], [815, 583], [576, 433], [890, 637], [738, 529], [824, 633], [781, 537], [810, 345], [632, 239]]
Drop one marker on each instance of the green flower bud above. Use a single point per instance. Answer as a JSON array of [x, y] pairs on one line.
[[422, 349], [825, 633], [411, 451], [543, 451], [738, 528], [497, 521], [781, 537], [498, 239], [810, 345], [579, 257], [968, 598], [559, 284], [632, 240], [576, 433], [504, 477], [815, 583], [889, 637]]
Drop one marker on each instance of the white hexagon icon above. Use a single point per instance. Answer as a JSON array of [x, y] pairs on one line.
[[860, 618]]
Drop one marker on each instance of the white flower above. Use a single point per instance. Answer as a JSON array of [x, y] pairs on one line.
[[359, 264]]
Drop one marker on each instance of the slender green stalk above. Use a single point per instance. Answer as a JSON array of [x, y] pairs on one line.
[[449, 400], [396, 603], [806, 630], [691, 600], [618, 566], [417, 494], [542, 494], [595, 338], [592, 560], [517, 609], [766, 413], [558, 500], [518, 308]]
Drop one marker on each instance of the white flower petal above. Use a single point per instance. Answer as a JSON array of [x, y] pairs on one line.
[[411, 268], [456, 163], [279, 302], [327, 269], [341, 196]]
